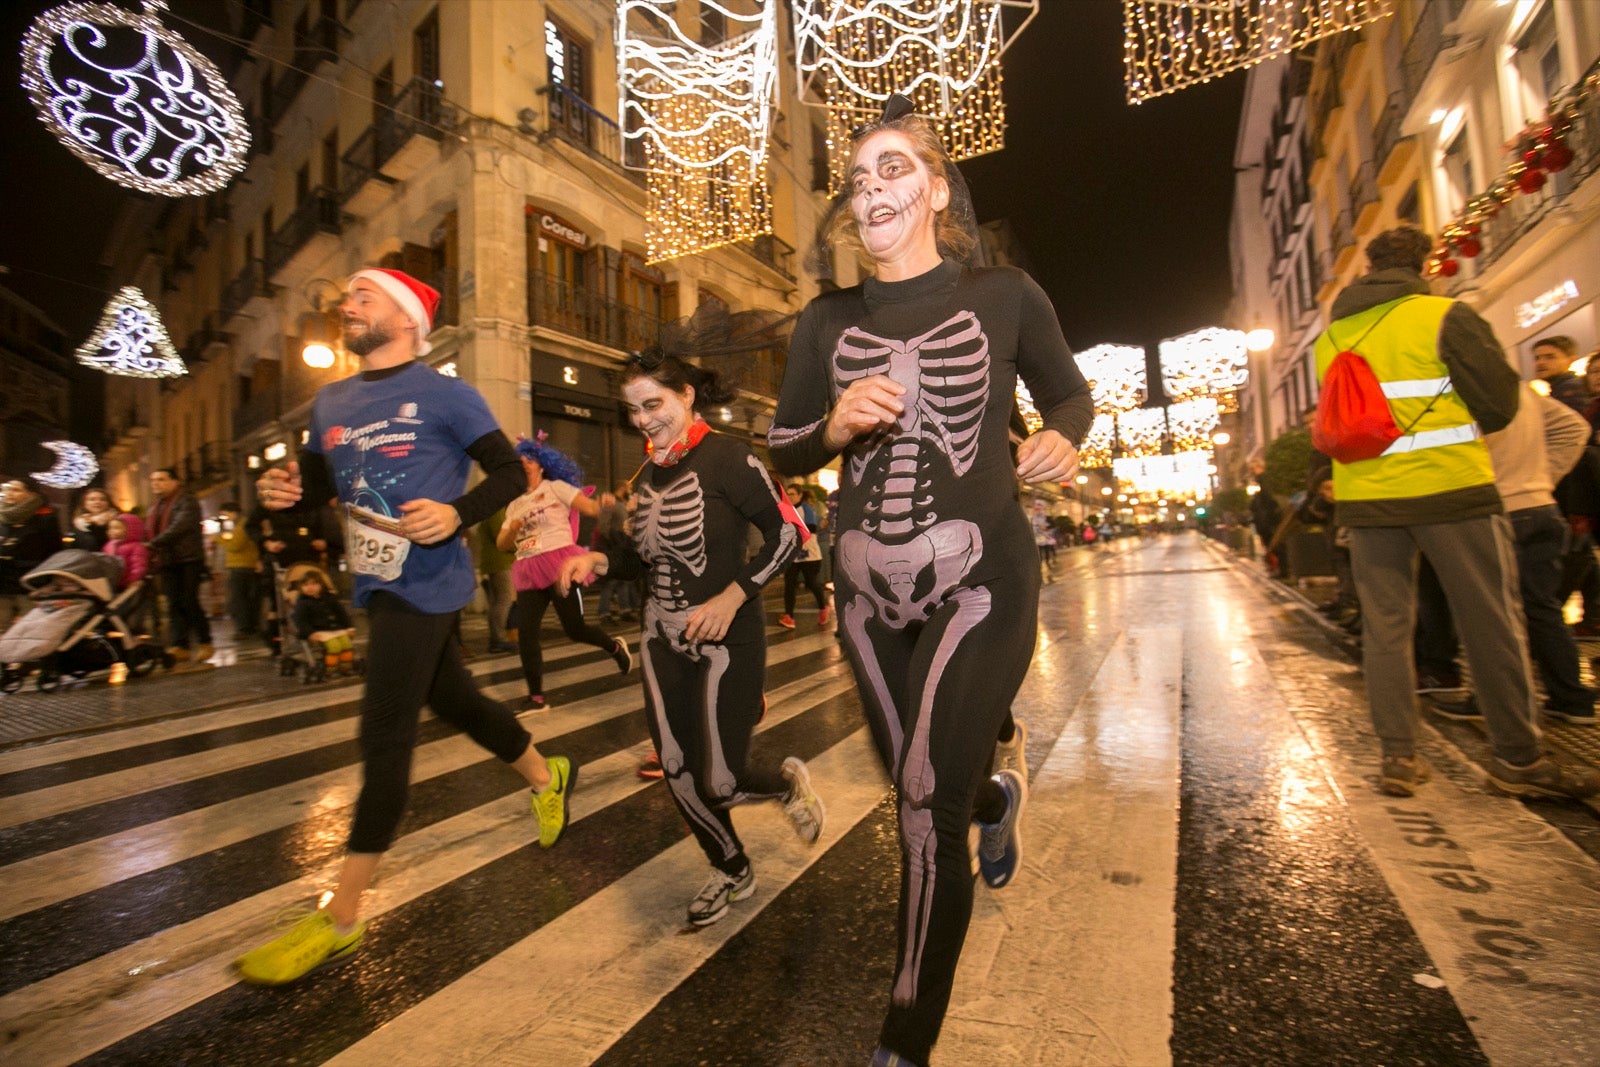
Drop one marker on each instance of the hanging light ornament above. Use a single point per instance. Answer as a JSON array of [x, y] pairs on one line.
[[1183, 475], [703, 112], [1192, 422], [74, 468], [1142, 431], [944, 55], [1102, 436], [133, 99], [1116, 376], [131, 340], [1171, 44], [1212, 362]]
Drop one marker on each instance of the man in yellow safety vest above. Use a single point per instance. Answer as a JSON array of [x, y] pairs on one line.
[[1432, 492]]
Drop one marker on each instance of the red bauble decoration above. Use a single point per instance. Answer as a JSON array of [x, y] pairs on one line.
[[1531, 181], [1557, 157], [1469, 246], [1449, 267], [1530, 159]]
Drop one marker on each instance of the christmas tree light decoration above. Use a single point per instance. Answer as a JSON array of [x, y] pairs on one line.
[[1192, 422], [1172, 44], [1102, 436], [1212, 362], [134, 100], [1142, 431], [131, 340], [75, 466], [851, 55], [1116, 376], [702, 112]]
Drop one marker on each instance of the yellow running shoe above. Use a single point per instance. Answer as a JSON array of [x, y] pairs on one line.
[[311, 943], [550, 803]]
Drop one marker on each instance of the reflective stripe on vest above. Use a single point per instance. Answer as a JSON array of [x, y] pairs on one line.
[[1416, 442], [1416, 387]]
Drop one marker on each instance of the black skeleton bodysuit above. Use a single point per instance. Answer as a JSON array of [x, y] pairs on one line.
[[937, 581], [704, 699]]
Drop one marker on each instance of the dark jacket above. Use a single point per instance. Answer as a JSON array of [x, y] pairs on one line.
[[1481, 377], [25, 545], [319, 613], [1571, 390], [175, 535]]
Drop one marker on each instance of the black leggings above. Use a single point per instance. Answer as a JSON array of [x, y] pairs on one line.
[[811, 572], [530, 616], [413, 659], [703, 707], [937, 695]]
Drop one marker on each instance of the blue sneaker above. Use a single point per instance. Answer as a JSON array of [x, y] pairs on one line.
[[882, 1057], [1000, 844]]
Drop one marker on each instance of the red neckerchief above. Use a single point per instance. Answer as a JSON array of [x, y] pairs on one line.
[[678, 449]]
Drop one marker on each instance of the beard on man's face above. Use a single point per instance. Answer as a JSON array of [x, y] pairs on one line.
[[366, 341]]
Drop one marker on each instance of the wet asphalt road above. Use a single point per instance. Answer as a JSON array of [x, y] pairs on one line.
[[1210, 876]]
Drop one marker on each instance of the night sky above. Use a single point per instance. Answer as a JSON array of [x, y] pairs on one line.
[[1123, 210]]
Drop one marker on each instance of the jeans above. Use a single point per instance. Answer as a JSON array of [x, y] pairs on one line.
[[244, 600], [185, 617], [1541, 543]]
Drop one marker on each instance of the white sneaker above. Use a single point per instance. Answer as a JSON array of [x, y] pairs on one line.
[[1013, 755], [711, 903]]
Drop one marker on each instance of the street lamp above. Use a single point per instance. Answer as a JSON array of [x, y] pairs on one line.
[[1259, 339], [1221, 437]]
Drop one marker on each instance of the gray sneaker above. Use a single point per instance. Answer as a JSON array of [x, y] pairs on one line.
[[1544, 777], [802, 806], [1400, 775], [1013, 755], [711, 903]]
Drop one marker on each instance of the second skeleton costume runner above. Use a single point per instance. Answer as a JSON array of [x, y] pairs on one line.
[[703, 651], [912, 376]]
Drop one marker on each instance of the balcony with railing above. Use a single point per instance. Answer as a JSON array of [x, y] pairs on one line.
[[1364, 196], [588, 313], [772, 251], [249, 285], [319, 44], [1524, 212], [201, 342], [400, 142], [305, 237], [574, 120]]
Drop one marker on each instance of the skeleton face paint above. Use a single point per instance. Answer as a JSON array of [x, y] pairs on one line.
[[894, 199], [659, 413]]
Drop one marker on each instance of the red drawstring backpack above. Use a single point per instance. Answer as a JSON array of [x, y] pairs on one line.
[[1353, 417]]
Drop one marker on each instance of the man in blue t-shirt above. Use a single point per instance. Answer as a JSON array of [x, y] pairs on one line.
[[390, 446]]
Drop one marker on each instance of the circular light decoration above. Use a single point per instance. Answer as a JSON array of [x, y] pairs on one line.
[[133, 99], [75, 466], [131, 340]]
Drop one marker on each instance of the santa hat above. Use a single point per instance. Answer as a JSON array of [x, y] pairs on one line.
[[417, 299]]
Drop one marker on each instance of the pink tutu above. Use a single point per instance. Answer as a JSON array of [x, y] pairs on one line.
[[542, 571]]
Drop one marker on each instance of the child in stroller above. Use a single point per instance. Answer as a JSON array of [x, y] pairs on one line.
[[76, 625], [321, 624]]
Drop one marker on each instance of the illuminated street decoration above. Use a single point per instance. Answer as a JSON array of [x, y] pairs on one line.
[[131, 340], [1096, 450], [134, 100], [1180, 476], [1192, 422], [1030, 412], [1142, 431], [1116, 376], [1212, 362], [1172, 44], [702, 113], [944, 55], [75, 466]]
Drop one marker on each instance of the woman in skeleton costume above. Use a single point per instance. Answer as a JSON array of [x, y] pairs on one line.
[[911, 376], [542, 525], [703, 651]]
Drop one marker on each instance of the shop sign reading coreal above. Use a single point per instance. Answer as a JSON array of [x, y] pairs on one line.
[[1546, 304], [556, 228]]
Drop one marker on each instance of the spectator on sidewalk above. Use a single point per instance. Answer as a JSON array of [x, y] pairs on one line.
[[178, 553], [125, 540], [1433, 492], [89, 522], [1553, 357], [611, 531], [241, 558], [29, 533], [494, 565]]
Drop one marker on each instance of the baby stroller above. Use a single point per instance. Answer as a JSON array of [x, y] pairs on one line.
[[301, 656], [77, 624]]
